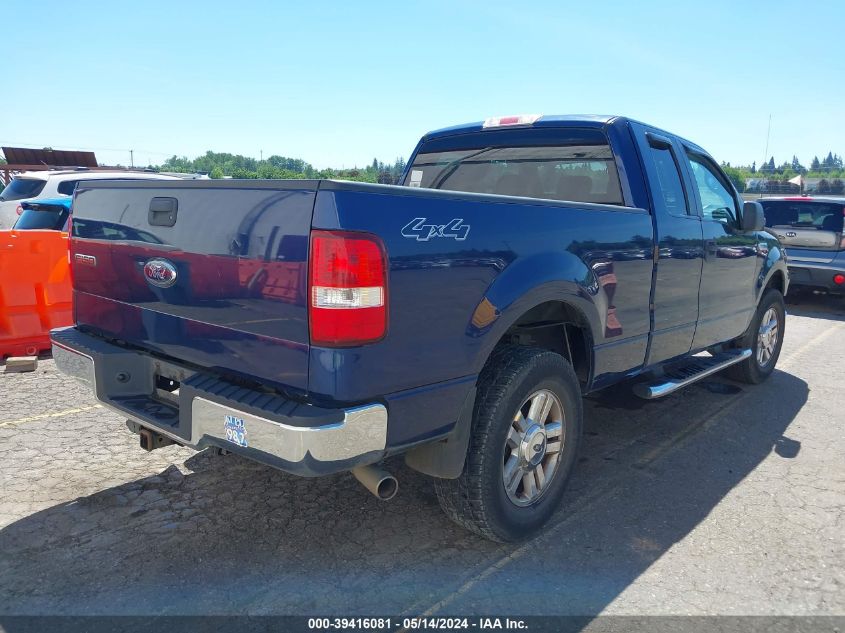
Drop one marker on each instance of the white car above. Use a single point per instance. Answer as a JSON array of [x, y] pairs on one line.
[[34, 185]]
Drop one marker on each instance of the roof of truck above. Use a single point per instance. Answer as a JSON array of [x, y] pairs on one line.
[[545, 120], [595, 121]]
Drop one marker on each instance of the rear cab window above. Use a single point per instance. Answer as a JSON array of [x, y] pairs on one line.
[[804, 214], [579, 167], [22, 188]]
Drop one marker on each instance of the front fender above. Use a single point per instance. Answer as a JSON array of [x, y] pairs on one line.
[[773, 262]]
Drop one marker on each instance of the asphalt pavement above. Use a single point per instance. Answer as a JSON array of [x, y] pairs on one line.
[[722, 499]]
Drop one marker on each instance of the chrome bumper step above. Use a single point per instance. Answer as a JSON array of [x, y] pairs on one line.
[[680, 375]]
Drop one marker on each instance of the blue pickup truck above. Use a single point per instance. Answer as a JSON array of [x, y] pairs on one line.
[[458, 319]]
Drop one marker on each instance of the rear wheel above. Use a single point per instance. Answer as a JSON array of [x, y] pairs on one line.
[[526, 430], [764, 338]]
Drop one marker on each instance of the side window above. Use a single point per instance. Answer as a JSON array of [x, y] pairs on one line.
[[66, 188], [717, 200], [669, 178]]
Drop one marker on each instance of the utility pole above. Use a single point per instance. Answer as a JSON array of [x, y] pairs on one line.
[[768, 134], [132, 158], [261, 151]]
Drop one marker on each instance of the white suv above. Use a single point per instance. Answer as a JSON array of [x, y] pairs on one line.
[[35, 185]]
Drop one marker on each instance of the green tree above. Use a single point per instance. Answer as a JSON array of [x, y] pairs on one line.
[[735, 176], [768, 167]]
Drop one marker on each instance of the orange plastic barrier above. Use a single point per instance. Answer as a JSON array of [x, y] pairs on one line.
[[35, 290]]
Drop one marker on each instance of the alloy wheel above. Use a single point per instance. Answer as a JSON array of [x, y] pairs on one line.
[[767, 337], [533, 448]]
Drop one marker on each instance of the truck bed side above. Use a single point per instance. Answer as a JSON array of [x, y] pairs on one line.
[[453, 296]]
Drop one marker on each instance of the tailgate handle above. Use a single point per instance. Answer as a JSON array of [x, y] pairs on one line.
[[163, 211]]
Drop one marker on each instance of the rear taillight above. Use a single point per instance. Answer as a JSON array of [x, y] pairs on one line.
[[347, 289], [69, 228]]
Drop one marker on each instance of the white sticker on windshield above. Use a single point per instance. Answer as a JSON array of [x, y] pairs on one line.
[[416, 177]]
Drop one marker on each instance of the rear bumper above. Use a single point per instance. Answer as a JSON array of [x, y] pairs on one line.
[[296, 437], [817, 274]]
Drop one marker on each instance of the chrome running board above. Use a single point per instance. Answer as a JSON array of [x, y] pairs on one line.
[[680, 375]]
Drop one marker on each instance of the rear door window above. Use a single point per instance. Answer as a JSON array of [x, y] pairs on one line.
[[22, 188], [577, 173], [804, 214], [669, 179]]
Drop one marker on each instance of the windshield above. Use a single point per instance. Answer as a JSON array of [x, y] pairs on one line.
[[22, 188], [824, 216], [42, 216], [579, 173]]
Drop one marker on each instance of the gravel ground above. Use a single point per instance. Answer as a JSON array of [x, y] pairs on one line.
[[720, 499]]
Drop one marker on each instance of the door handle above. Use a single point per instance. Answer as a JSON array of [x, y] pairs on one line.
[[710, 247], [163, 211]]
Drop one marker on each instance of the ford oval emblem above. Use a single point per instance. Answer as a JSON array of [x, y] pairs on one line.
[[160, 272]]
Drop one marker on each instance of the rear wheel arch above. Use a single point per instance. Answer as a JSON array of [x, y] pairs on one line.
[[555, 325]]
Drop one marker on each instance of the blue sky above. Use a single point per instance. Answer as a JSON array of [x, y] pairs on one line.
[[338, 83]]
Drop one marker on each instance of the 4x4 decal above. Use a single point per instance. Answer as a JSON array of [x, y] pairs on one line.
[[418, 229]]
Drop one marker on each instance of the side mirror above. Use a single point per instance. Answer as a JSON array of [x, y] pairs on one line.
[[753, 218]]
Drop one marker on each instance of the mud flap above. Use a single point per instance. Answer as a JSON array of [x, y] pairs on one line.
[[445, 459]]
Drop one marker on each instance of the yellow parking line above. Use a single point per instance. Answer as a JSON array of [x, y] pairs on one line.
[[44, 416], [813, 342]]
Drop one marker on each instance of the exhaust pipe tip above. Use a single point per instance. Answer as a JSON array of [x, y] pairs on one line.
[[387, 488], [379, 482]]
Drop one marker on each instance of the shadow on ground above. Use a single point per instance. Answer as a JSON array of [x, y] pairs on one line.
[[802, 302], [233, 537]]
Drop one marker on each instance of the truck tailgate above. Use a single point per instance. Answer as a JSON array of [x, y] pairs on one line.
[[210, 272]]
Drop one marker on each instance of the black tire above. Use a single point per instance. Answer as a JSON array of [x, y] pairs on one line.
[[477, 500], [751, 371], [795, 296]]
